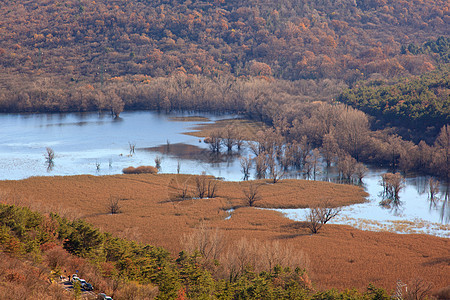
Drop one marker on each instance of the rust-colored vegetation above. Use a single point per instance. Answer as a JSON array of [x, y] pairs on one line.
[[247, 129], [162, 209], [140, 170]]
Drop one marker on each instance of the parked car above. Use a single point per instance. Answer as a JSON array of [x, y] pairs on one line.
[[102, 296], [87, 286]]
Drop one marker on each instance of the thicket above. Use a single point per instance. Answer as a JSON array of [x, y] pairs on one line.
[[126, 268], [440, 47], [421, 103]]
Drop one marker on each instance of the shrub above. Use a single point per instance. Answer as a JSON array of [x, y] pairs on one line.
[[140, 170]]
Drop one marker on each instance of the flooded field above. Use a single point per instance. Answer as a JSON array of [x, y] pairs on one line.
[[100, 145]]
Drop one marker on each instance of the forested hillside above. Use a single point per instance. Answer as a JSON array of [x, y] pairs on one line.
[[418, 103], [290, 39]]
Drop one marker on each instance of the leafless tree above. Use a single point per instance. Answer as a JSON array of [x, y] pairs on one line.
[[229, 137], [212, 188], [251, 193], [360, 171], [215, 141], [393, 184], [113, 205], [132, 146], [314, 161], [329, 148], [261, 256], [320, 215], [208, 241], [239, 139], [246, 164], [276, 171], [158, 162], [313, 220], [50, 155], [433, 188], [352, 130], [395, 149], [205, 186], [261, 166], [418, 289], [346, 166]]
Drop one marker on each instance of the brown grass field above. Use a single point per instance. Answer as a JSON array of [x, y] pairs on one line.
[[247, 128], [151, 212]]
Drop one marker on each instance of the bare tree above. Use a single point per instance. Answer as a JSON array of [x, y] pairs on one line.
[[314, 220], [206, 240], [352, 130], [212, 188], [158, 162], [329, 148], [393, 184], [261, 166], [320, 215], [50, 155], [360, 171], [215, 141], [346, 166], [276, 171], [251, 193], [433, 188], [201, 184], [395, 149], [113, 205], [179, 190], [132, 146], [314, 161], [239, 140], [418, 289], [246, 164], [229, 137], [261, 256]]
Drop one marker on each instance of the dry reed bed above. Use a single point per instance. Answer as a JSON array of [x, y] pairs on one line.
[[151, 212], [247, 129]]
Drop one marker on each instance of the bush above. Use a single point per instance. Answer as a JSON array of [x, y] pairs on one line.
[[140, 170]]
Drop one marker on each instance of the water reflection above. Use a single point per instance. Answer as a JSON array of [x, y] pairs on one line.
[[83, 140], [445, 208], [50, 165]]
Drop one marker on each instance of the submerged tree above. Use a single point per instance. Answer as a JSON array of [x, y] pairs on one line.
[[433, 188], [246, 164], [49, 157], [392, 184]]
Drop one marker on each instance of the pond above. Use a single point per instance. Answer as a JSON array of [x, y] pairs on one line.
[[97, 144]]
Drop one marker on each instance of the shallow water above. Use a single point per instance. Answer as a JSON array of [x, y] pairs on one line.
[[84, 141]]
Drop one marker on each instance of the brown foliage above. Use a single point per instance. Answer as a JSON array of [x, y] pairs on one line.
[[140, 170]]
